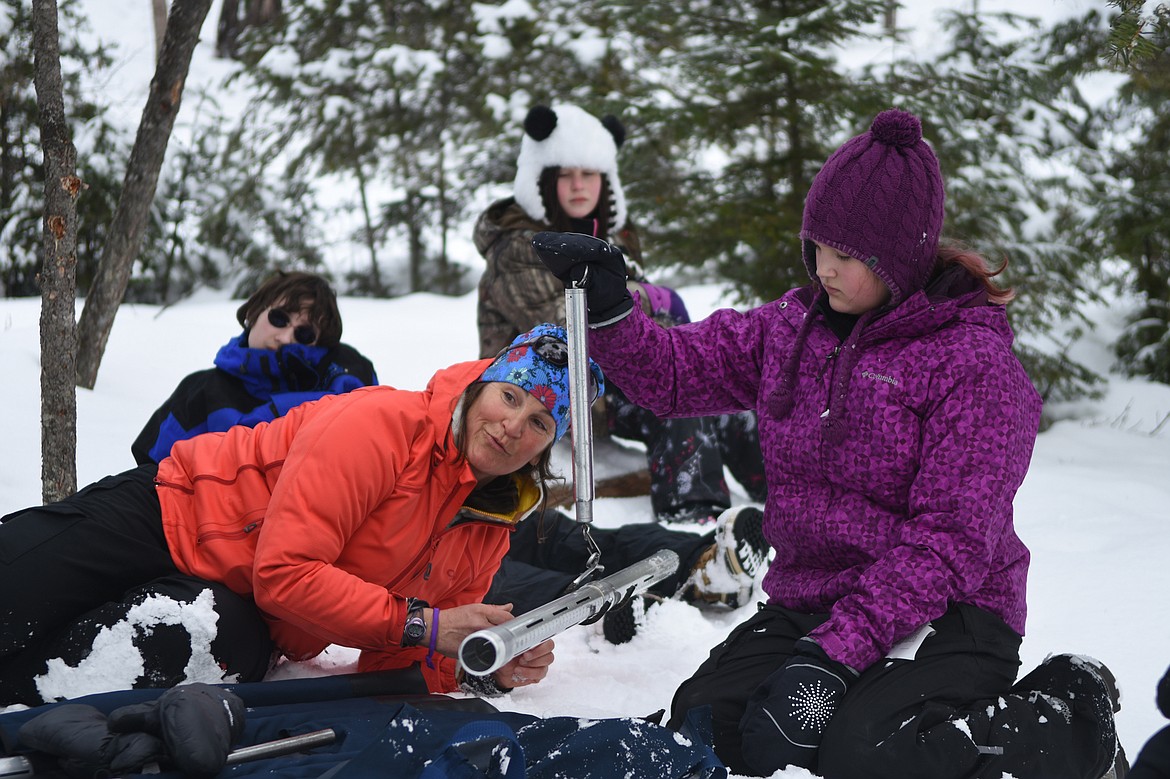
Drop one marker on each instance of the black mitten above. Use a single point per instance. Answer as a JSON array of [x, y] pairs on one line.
[[300, 374], [787, 715], [584, 261], [198, 723], [79, 736]]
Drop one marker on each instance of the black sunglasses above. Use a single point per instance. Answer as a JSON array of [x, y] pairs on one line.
[[304, 334], [555, 352]]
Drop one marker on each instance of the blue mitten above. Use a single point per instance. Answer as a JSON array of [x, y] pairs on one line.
[[787, 715], [588, 262]]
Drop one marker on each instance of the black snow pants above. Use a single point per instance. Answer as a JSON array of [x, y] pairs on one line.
[[548, 551], [1153, 761], [950, 713], [685, 458], [89, 593]]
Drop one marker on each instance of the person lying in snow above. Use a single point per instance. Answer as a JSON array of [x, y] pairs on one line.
[[374, 519], [896, 426], [290, 352]]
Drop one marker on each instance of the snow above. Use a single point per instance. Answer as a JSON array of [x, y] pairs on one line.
[[1093, 510]]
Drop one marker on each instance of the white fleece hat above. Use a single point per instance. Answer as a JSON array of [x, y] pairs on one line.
[[568, 137]]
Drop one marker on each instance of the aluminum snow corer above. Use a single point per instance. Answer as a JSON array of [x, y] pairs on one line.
[[488, 650]]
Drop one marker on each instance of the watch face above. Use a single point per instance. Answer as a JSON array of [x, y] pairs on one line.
[[416, 628]]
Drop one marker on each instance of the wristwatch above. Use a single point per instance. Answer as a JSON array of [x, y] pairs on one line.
[[416, 627]]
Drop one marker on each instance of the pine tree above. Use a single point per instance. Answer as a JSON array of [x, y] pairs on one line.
[[741, 103], [1007, 121], [21, 166], [393, 100], [222, 220], [1135, 215]]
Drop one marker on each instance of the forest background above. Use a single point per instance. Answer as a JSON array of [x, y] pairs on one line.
[[361, 139]]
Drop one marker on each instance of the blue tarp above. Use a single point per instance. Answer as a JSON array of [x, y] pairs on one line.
[[432, 737]]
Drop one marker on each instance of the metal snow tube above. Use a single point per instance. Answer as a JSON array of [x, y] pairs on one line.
[[486, 651]]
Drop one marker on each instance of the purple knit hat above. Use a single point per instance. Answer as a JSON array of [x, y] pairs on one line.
[[879, 199]]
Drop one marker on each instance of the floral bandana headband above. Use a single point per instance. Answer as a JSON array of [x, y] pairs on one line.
[[538, 363]]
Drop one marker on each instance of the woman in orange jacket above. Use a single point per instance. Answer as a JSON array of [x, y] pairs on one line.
[[374, 519]]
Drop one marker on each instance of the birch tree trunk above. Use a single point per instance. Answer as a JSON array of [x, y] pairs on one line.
[[58, 278], [158, 11]]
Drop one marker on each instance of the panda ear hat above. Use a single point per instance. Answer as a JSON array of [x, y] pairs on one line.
[[566, 136]]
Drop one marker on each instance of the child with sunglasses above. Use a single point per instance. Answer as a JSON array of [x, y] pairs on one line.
[[897, 426], [373, 519], [290, 352]]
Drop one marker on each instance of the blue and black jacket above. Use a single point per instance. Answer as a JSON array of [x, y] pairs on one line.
[[248, 386]]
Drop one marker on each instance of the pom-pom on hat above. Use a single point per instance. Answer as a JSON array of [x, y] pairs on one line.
[[566, 136], [538, 363], [879, 199]]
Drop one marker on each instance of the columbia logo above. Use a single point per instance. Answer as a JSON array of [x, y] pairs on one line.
[[880, 377]]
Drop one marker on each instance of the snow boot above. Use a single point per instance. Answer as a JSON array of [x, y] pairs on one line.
[[620, 625], [1090, 689], [726, 572]]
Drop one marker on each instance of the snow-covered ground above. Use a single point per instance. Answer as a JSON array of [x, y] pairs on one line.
[[1094, 508]]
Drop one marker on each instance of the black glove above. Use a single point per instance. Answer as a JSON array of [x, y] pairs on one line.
[[786, 716], [79, 736], [300, 374], [584, 261], [198, 723]]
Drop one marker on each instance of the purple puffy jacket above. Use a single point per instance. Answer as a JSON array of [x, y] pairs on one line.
[[907, 508]]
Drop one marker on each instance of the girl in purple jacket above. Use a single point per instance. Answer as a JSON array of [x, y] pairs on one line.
[[896, 427]]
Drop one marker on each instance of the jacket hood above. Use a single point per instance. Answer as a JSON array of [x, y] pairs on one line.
[[446, 389], [502, 217], [447, 386]]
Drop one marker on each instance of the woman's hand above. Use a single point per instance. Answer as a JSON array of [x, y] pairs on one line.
[[527, 667], [455, 624]]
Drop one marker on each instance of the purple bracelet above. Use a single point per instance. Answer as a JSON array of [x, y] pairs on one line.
[[434, 638]]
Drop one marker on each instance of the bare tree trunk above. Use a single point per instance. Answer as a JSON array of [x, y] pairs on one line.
[[415, 242], [261, 12], [59, 270], [376, 288], [228, 29], [129, 222], [159, 12]]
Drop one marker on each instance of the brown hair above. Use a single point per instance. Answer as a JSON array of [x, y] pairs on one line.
[[297, 291], [500, 494], [979, 268], [559, 221]]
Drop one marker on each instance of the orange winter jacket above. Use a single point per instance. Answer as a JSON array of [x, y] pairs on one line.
[[331, 516]]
